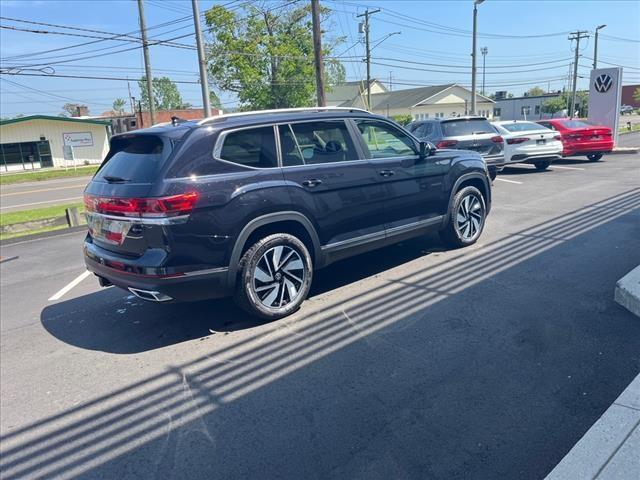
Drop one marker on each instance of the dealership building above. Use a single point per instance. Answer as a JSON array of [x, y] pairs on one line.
[[39, 141]]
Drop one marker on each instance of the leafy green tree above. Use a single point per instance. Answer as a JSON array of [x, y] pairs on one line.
[[118, 105], [535, 91], [166, 95], [69, 110], [265, 54], [636, 94], [554, 105], [214, 100]]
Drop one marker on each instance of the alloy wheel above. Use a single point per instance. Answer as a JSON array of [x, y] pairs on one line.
[[278, 276], [469, 217]]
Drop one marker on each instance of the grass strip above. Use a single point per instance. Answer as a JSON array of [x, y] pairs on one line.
[[22, 216], [40, 175]]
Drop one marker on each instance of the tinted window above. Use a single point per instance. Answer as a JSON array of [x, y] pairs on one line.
[[385, 141], [316, 142], [576, 124], [547, 125], [521, 126], [461, 127], [135, 158], [251, 147], [424, 130]]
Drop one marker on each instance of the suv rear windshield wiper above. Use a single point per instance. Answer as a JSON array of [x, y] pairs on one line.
[[112, 179]]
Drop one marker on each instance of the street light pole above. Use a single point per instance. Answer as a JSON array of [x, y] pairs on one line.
[[484, 51], [202, 60], [366, 15], [595, 47], [473, 56]]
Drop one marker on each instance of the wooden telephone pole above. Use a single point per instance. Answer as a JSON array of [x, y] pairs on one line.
[[317, 52]]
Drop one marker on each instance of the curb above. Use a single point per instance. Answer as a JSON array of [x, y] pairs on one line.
[[38, 236], [627, 291], [609, 449], [624, 150]]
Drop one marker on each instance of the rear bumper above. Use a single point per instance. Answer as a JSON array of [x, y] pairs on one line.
[[583, 148], [187, 285], [531, 158], [494, 160]]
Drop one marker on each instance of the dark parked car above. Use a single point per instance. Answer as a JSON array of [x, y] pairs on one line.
[[468, 133], [251, 204]]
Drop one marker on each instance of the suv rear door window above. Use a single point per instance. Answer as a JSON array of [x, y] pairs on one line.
[[311, 143], [134, 158], [251, 147], [385, 141], [462, 127]]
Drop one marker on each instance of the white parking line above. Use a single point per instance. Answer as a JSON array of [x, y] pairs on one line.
[[566, 168], [70, 285], [509, 181]]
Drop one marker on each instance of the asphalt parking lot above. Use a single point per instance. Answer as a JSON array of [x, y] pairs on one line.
[[407, 362]]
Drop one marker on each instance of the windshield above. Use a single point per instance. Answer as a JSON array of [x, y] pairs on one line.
[[522, 126], [458, 128], [133, 158], [576, 124]]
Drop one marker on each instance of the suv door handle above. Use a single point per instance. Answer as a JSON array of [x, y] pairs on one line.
[[387, 173], [314, 182]]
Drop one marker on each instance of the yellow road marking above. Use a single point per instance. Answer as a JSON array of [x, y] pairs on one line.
[[26, 192]]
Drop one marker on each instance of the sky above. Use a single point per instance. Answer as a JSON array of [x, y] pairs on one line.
[[526, 41]]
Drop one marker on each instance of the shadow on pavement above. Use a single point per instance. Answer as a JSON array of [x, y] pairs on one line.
[[112, 321], [490, 363]]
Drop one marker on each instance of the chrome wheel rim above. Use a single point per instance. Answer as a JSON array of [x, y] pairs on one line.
[[278, 277], [469, 217]]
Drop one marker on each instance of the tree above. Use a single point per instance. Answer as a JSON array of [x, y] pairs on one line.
[[166, 95], [535, 91], [214, 100], [69, 110], [265, 54], [118, 105], [402, 119], [636, 94], [554, 105]]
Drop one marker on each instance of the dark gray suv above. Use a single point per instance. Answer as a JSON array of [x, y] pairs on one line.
[[251, 204], [468, 133]]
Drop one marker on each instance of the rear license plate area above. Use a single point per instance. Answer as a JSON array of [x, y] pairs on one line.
[[108, 230], [541, 142]]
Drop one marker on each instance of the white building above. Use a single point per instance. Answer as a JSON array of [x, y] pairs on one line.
[[528, 107], [38, 141], [438, 101]]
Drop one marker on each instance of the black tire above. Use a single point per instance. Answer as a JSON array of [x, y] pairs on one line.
[[594, 157], [493, 173], [542, 166], [453, 234], [261, 259]]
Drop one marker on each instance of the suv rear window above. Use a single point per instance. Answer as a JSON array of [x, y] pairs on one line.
[[134, 158], [458, 128]]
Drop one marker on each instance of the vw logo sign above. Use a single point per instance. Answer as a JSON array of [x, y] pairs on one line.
[[603, 83]]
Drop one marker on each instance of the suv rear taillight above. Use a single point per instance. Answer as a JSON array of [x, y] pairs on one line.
[[513, 141], [446, 143], [158, 207], [497, 139]]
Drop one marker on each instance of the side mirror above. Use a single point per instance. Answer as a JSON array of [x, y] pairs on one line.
[[427, 149]]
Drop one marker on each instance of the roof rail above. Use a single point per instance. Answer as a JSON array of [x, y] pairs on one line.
[[204, 121]]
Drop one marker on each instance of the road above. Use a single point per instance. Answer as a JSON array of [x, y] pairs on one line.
[[25, 196], [407, 362]]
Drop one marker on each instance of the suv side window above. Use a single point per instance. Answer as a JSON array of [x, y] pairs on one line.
[[251, 147], [424, 130], [310, 143], [384, 140]]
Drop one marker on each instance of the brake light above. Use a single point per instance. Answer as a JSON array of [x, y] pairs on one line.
[[513, 141], [557, 137], [497, 139], [446, 143], [160, 207]]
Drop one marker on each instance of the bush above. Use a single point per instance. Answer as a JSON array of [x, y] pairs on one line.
[[402, 119]]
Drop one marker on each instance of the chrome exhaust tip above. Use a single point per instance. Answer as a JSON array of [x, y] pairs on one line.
[[150, 295]]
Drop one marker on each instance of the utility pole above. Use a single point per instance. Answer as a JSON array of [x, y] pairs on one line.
[[595, 47], [202, 60], [317, 52], [147, 63], [131, 100], [367, 13], [473, 56], [484, 51], [577, 35]]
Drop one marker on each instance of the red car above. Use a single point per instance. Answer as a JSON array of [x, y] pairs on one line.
[[581, 138]]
